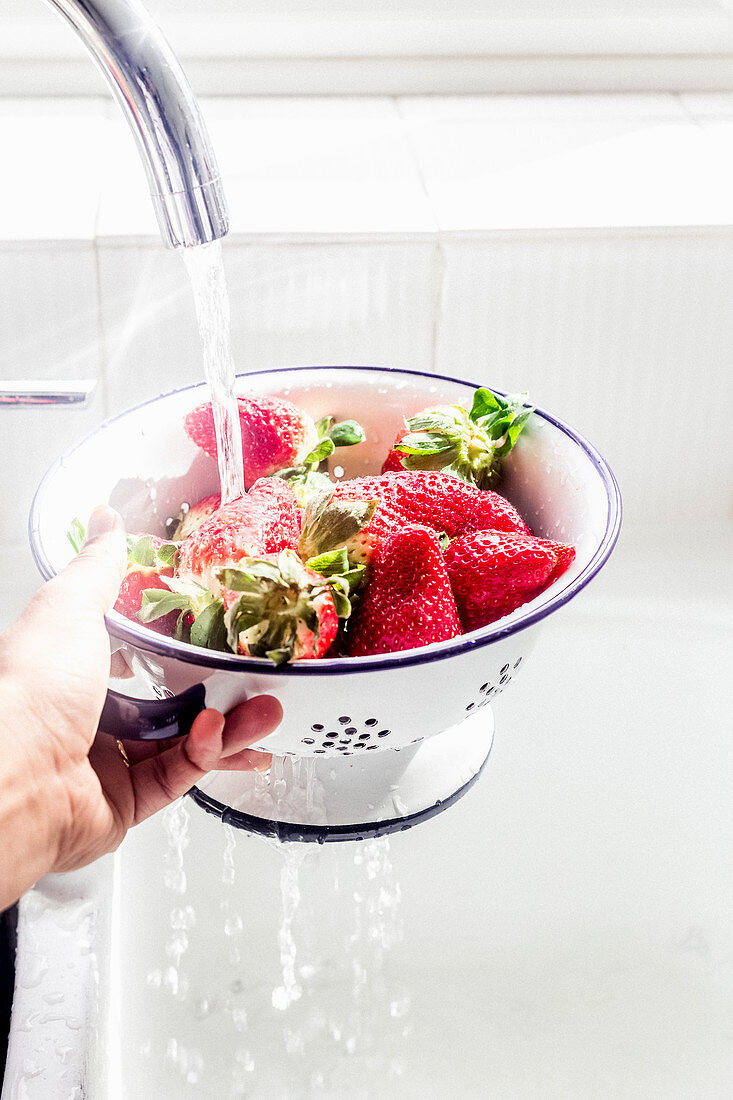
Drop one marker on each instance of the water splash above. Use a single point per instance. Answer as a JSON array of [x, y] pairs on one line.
[[290, 990], [175, 824], [377, 928], [233, 923], [182, 918]]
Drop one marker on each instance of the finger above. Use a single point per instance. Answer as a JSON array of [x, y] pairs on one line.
[[97, 570], [246, 723], [159, 780], [250, 722], [248, 760], [91, 580], [78, 596]]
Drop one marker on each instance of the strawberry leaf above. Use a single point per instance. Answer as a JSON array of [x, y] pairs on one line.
[[462, 471], [181, 627], [467, 445], [237, 620], [323, 426], [208, 629], [166, 554], [280, 656], [449, 421], [238, 581], [485, 402], [75, 534], [513, 432], [156, 602], [342, 580], [424, 443], [305, 482], [140, 551], [329, 524], [508, 411], [291, 473], [290, 567], [333, 561], [325, 448], [339, 587], [250, 574], [347, 433]]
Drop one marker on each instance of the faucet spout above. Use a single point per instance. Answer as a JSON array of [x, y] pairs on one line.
[[156, 98]]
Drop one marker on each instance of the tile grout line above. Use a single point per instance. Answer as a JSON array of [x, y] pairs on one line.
[[438, 260], [440, 267]]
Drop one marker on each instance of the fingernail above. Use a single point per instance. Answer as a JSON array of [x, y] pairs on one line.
[[102, 520], [265, 764]]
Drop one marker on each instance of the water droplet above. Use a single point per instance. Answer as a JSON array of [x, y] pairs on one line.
[[233, 925]]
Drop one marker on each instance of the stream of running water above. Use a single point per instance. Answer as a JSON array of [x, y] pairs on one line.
[[208, 282]]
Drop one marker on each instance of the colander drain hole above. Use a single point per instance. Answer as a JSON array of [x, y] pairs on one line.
[[487, 690], [348, 738]]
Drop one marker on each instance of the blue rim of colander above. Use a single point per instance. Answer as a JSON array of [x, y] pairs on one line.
[[147, 640]]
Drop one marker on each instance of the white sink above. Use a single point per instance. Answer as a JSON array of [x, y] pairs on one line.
[[567, 925]]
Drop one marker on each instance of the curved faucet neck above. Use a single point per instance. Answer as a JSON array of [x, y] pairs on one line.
[[156, 98]]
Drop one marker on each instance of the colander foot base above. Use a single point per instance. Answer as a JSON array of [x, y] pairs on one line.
[[309, 799]]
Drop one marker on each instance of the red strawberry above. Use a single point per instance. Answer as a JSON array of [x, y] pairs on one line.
[[565, 557], [264, 521], [275, 434], [439, 500], [408, 601], [129, 599], [470, 445], [393, 461], [494, 572], [279, 608], [194, 516], [147, 567], [244, 588]]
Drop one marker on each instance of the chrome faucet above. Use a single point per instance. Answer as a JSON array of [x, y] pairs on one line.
[[156, 98]]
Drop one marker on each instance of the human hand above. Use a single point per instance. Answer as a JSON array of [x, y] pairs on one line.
[[67, 794]]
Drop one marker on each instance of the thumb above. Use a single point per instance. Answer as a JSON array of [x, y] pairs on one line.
[[89, 583], [96, 573]]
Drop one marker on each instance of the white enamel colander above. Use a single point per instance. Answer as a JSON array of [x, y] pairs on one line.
[[143, 464]]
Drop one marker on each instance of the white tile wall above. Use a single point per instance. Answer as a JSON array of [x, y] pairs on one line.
[[51, 168], [300, 166], [49, 329], [291, 305], [453, 233], [531, 167], [629, 338]]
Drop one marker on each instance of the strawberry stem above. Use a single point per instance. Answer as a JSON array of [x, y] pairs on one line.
[[469, 445]]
